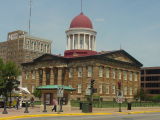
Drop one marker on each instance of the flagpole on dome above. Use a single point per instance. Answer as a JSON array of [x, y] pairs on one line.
[[81, 6]]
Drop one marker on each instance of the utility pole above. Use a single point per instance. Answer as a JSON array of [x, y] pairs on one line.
[[30, 14]]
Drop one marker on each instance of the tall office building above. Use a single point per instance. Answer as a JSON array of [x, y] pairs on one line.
[[150, 80], [21, 47]]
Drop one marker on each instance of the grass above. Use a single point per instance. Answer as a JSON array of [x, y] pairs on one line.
[[37, 103], [111, 104]]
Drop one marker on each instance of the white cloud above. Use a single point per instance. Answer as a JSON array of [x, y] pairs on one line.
[[99, 19]]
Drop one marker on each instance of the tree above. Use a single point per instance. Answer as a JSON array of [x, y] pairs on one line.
[[1, 78], [141, 95], [37, 93], [156, 98], [8, 74]]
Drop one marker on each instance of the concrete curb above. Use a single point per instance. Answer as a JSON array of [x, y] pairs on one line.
[[50, 115], [72, 114]]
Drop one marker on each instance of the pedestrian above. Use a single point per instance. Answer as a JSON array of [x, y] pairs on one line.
[[32, 101], [54, 105], [17, 103], [20, 102]]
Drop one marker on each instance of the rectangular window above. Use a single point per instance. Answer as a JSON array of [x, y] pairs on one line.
[[130, 76], [114, 73], [125, 90], [90, 71], [33, 87], [27, 75], [107, 89], [100, 88], [88, 90], [100, 71], [119, 74], [33, 74], [135, 91], [79, 88], [125, 75], [135, 77], [70, 72], [79, 71], [107, 72], [130, 91], [113, 89]]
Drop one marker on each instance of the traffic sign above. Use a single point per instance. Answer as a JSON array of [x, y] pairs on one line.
[[119, 99]]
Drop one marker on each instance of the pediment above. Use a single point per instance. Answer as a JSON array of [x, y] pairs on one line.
[[123, 56], [120, 57], [47, 57]]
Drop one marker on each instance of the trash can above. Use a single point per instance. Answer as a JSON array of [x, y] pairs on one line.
[[129, 106], [80, 105], [86, 107]]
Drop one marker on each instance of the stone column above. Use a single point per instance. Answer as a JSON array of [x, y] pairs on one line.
[[78, 41], [95, 73], [51, 76], [84, 37], [60, 70], [89, 42], [37, 77], [44, 76], [94, 43], [67, 43], [73, 41]]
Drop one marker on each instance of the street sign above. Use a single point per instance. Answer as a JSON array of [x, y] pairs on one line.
[[60, 92], [119, 93], [119, 99]]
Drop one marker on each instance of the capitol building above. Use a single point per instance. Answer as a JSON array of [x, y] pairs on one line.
[[80, 64]]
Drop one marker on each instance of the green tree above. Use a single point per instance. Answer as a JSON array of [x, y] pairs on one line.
[[8, 74], [1, 77], [37, 93], [141, 95], [156, 98]]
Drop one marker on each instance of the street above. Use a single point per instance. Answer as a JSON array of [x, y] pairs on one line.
[[148, 116]]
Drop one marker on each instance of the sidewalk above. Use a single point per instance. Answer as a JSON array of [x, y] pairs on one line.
[[37, 111]]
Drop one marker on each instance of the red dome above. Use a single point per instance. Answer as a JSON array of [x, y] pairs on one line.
[[81, 21]]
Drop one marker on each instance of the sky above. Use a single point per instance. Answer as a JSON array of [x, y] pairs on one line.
[[132, 24]]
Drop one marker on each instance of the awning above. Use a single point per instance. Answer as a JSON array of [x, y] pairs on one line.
[[24, 90], [55, 87]]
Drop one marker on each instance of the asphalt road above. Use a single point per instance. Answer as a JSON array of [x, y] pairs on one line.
[[148, 116]]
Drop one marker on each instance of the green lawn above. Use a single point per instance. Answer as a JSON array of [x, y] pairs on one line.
[[111, 104]]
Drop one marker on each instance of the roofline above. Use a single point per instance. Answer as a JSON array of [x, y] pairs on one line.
[[97, 56], [157, 67]]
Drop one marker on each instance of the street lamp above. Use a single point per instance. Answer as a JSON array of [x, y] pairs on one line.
[[5, 109]]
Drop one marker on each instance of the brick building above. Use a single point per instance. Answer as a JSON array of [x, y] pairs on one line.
[[21, 47], [80, 64], [150, 80]]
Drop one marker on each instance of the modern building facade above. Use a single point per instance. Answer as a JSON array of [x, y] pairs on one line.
[[150, 80], [21, 47], [80, 64]]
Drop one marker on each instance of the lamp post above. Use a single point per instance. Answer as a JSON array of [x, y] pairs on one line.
[[5, 109], [119, 95]]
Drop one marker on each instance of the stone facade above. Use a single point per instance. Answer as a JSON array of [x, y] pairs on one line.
[[105, 68]]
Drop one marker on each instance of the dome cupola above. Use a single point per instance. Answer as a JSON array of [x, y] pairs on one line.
[[81, 37], [81, 21]]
